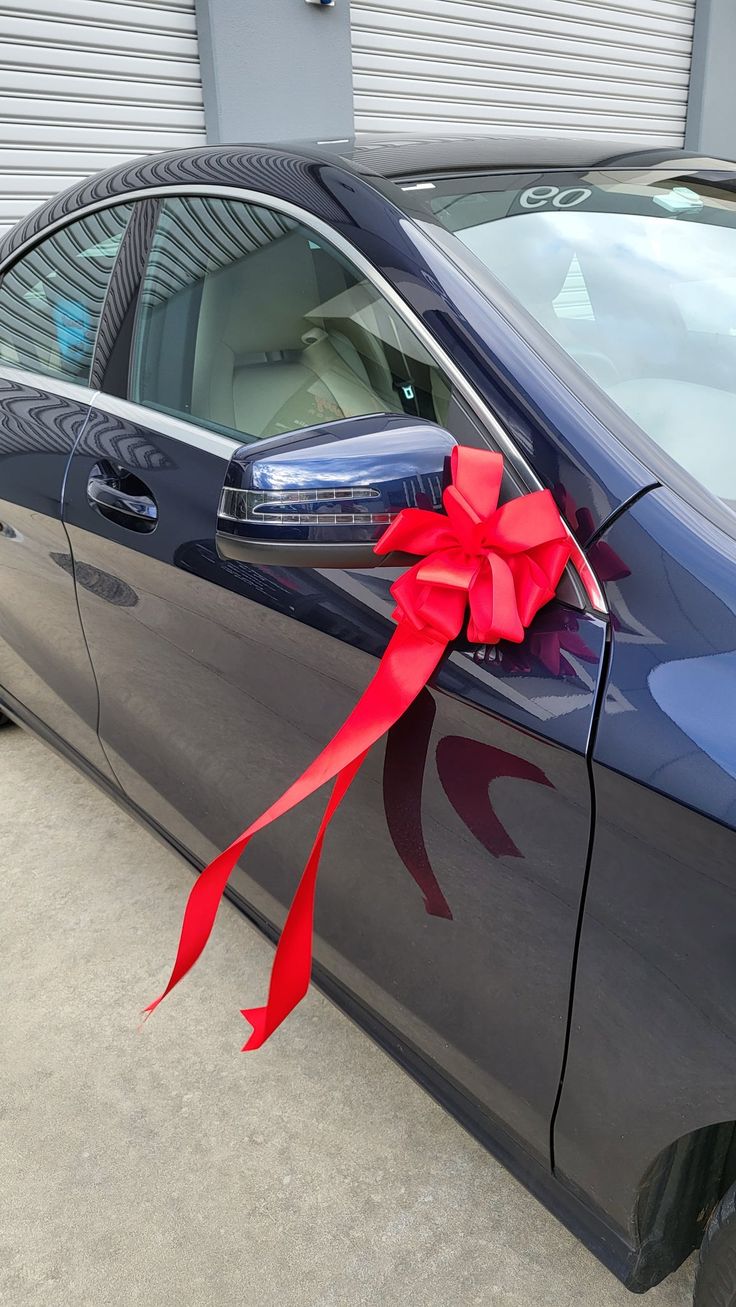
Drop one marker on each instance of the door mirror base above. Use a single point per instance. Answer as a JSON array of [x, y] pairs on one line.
[[289, 553]]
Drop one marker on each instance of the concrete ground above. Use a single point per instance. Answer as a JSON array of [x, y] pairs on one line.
[[162, 1167]]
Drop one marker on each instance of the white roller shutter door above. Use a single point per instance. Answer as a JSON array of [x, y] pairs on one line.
[[85, 84], [558, 67]]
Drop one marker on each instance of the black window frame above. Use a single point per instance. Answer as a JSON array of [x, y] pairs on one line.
[[40, 239], [110, 372]]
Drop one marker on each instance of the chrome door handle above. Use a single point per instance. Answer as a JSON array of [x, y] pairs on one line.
[[119, 496]]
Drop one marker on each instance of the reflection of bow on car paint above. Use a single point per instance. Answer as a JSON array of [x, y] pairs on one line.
[[555, 635], [605, 561], [466, 769]]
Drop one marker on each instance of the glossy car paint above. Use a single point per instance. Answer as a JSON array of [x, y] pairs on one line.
[[346, 455], [480, 811], [44, 659], [218, 686], [655, 981]]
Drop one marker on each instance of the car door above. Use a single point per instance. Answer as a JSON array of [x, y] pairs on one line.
[[51, 300], [451, 881], [653, 1038]]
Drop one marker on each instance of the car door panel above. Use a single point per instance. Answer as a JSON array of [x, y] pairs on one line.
[[44, 664], [653, 1030], [220, 682], [51, 301]]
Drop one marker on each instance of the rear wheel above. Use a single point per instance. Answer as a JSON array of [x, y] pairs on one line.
[[4, 721], [715, 1282]]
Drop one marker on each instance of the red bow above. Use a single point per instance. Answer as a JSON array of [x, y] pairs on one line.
[[505, 563]]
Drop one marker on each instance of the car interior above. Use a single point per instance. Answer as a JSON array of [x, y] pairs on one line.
[[269, 331], [617, 293]]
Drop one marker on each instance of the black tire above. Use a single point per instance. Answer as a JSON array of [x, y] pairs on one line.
[[715, 1282], [5, 721]]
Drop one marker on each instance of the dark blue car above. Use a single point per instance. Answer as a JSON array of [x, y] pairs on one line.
[[221, 372]]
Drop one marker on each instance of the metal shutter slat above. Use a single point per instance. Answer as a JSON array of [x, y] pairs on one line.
[[379, 47], [448, 111], [35, 187], [40, 160], [598, 10], [385, 123], [61, 36], [106, 13], [30, 59], [586, 67], [80, 136], [87, 84], [100, 112], [546, 99], [558, 15], [101, 89], [584, 41]]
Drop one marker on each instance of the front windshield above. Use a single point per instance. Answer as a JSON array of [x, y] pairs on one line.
[[634, 276]]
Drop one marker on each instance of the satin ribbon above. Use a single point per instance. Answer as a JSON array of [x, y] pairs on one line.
[[501, 563]]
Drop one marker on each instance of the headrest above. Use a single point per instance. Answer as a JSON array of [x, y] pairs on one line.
[[259, 305]]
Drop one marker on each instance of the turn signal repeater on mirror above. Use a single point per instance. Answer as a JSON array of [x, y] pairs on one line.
[[477, 563], [322, 499]]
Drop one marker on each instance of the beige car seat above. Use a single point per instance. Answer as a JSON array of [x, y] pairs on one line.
[[264, 361]]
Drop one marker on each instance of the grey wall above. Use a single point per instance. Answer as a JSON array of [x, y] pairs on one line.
[[711, 114], [275, 69]]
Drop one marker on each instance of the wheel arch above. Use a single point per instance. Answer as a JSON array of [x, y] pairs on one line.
[[676, 1196]]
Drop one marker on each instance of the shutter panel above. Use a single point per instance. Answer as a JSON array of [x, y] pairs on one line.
[[550, 67], [85, 84]]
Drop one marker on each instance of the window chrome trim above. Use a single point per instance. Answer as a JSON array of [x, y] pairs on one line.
[[151, 418], [307, 219], [43, 381], [163, 424]]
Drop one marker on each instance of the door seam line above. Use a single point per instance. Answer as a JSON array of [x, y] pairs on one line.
[[600, 695], [62, 520], [589, 749]]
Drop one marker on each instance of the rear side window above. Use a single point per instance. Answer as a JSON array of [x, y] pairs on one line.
[[252, 323], [51, 300]]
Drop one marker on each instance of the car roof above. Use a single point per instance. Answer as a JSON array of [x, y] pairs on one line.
[[392, 156], [288, 169]]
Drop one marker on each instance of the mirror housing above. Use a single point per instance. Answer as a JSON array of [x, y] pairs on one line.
[[323, 497]]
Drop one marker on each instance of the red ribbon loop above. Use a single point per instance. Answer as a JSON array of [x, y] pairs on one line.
[[501, 563], [504, 562]]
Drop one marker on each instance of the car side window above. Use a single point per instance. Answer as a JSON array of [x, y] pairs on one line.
[[250, 322], [51, 300]]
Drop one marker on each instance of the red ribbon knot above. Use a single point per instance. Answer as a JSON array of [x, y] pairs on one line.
[[504, 563]]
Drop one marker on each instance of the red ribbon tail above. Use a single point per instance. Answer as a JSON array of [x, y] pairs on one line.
[[257, 1017], [200, 912], [292, 965], [410, 659]]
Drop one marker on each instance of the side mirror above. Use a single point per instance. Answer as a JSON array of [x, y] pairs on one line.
[[323, 497]]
